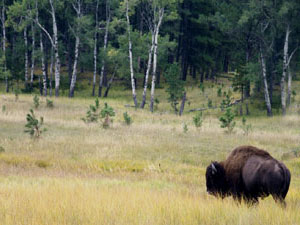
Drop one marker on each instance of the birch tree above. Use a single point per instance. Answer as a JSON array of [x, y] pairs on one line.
[[54, 42], [77, 7], [43, 65], [130, 56], [95, 48], [158, 12], [3, 21], [26, 58], [32, 56], [108, 17]]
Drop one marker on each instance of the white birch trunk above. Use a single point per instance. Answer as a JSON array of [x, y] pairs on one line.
[[95, 49], [264, 75], [161, 15], [74, 74], [290, 77], [148, 71], [43, 66], [104, 48], [4, 43], [55, 46], [26, 58], [32, 56], [51, 72], [130, 57]]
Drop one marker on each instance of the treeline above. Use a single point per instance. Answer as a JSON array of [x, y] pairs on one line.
[[138, 40]]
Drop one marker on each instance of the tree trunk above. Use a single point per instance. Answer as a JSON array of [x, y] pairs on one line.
[[95, 49], [284, 71], [51, 72], [4, 44], [104, 48], [26, 58], [290, 77], [182, 104], [109, 83], [161, 15], [32, 57], [43, 66], [74, 74], [147, 72], [264, 75], [55, 46], [130, 57]]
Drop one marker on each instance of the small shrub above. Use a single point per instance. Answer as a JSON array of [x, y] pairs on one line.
[[17, 92], [2, 149], [209, 103], [36, 101], [247, 128], [294, 93], [202, 88], [106, 113], [225, 102], [34, 126], [49, 103], [219, 93], [185, 128], [3, 108], [92, 115], [198, 120], [227, 120], [127, 118]]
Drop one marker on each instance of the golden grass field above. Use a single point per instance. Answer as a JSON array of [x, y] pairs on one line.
[[149, 173]]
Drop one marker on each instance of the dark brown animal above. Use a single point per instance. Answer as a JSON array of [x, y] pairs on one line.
[[248, 173]]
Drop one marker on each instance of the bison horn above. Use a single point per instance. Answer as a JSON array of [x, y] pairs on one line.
[[214, 169]]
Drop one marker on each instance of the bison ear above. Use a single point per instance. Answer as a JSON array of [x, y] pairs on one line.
[[214, 169]]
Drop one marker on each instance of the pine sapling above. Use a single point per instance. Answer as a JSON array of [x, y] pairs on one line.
[[227, 120], [92, 115], [106, 113], [49, 103], [127, 118], [198, 120], [36, 101], [34, 126]]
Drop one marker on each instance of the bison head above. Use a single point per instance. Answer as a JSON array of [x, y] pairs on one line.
[[216, 180]]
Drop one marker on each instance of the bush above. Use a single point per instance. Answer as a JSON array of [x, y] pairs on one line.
[[34, 126], [127, 118], [185, 128], [92, 115], [227, 120], [36, 101], [198, 120], [219, 93], [247, 128], [106, 113], [49, 103], [209, 103]]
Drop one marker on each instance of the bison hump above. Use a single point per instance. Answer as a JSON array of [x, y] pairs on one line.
[[237, 159]]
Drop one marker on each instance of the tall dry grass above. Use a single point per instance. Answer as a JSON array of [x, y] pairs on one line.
[[148, 173]]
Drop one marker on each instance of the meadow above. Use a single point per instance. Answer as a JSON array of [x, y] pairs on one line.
[[151, 172]]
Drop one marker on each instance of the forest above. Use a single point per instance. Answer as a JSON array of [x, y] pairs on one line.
[[55, 47]]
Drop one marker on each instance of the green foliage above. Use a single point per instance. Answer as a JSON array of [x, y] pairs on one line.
[[227, 120], [3, 108], [36, 101], [202, 88], [185, 128], [34, 126], [247, 128], [219, 93], [209, 103], [198, 120], [225, 102], [127, 118], [175, 86], [106, 113], [2, 149], [49, 103], [92, 114]]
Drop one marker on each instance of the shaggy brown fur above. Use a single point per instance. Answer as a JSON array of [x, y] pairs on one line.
[[235, 162]]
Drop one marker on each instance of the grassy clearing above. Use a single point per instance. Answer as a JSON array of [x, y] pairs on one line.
[[148, 173]]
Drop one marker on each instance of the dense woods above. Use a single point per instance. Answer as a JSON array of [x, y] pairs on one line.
[[49, 44]]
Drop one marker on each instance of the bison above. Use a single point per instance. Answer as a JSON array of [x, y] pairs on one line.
[[248, 173]]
